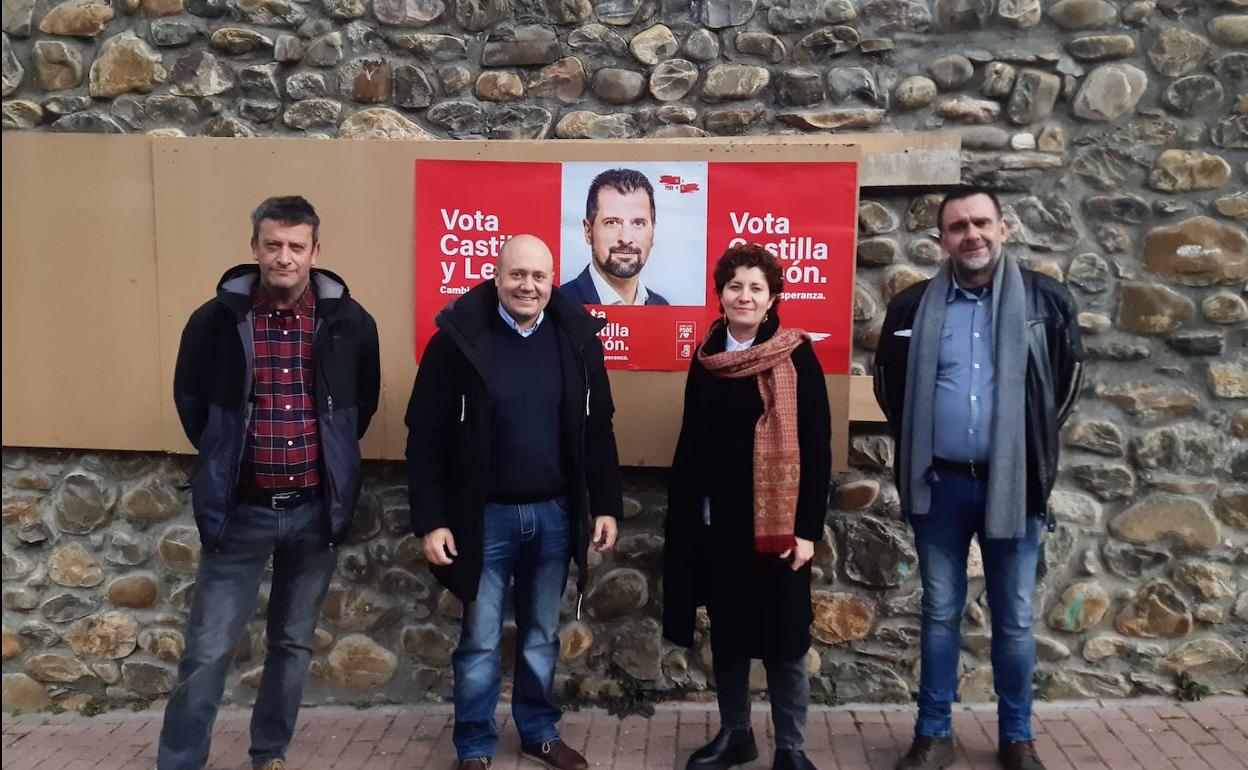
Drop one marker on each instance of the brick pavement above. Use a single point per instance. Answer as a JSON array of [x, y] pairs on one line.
[[1104, 735]]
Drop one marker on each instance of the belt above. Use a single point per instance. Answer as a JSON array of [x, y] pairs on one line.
[[973, 469], [279, 499]]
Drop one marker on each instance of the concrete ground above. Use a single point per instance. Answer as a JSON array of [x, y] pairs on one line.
[[1091, 735]]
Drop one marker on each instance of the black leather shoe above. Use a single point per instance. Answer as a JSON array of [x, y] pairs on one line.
[[792, 759], [728, 748], [1019, 755], [927, 754]]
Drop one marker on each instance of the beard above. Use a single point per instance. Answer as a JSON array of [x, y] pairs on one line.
[[978, 267], [620, 268]]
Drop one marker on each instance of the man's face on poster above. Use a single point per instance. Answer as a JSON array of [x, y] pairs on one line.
[[621, 236]]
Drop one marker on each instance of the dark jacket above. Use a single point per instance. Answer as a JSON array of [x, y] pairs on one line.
[[212, 388], [448, 422], [759, 607], [581, 291], [1054, 374]]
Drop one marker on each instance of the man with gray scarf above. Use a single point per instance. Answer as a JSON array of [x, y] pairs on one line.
[[976, 370]]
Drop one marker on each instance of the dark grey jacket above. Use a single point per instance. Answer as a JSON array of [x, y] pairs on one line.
[[448, 440], [1054, 374], [212, 389]]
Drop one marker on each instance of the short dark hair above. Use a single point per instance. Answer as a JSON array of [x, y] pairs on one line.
[[749, 255], [288, 210], [625, 181], [962, 193]]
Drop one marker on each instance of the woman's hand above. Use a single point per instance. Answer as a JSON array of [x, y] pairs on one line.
[[801, 553]]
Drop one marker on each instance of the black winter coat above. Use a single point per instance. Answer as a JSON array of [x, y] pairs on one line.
[[759, 607], [448, 440], [1054, 374], [212, 389]]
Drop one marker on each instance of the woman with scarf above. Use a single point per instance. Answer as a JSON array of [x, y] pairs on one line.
[[748, 495]]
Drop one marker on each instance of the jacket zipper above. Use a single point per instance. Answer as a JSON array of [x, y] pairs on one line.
[[463, 407]]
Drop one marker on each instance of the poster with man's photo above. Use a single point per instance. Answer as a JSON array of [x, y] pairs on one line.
[[636, 243]]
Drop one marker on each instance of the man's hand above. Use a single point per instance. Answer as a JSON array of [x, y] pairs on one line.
[[439, 547], [801, 553], [605, 531]]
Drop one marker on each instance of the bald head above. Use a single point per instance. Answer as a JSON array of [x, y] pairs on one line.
[[526, 271], [526, 247]]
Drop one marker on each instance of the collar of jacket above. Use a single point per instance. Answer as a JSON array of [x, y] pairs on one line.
[[466, 319], [235, 288]]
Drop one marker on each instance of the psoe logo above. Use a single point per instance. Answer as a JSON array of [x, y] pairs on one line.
[[686, 330], [684, 350], [673, 182]]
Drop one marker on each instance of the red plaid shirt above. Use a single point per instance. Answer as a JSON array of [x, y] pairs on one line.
[[283, 446]]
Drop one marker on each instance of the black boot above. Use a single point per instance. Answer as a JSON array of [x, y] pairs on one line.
[[792, 759], [729, 747], [928, 754]]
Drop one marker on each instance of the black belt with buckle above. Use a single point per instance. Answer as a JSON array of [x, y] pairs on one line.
[[279, 499], [973, 469]]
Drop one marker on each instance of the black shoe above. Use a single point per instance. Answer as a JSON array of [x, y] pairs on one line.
[[728, 748], [1019, 755], [927, 754], [792, 759]]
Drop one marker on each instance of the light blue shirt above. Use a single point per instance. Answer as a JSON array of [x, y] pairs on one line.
[[515, 327], [965, 378]]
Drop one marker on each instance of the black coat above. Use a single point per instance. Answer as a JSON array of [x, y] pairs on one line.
[[759, 607], [448, 440], [1054, 375], [212, 389]]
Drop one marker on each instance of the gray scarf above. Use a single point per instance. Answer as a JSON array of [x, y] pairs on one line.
[[1007, 466]]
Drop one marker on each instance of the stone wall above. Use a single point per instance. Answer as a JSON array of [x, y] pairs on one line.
[[1116, 132]]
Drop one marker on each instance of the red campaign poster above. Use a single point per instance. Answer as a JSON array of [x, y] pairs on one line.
[[465, 211], [805, 214], [636, 243]]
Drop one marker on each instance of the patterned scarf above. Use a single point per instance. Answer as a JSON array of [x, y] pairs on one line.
[[777, 466]]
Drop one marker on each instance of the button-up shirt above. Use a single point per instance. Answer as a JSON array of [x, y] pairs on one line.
[[511, 322], [283, 443], [609, 296], [966, 378]]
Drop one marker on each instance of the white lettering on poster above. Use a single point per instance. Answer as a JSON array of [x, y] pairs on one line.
[[470, 246], [614, 337], [793, 248]]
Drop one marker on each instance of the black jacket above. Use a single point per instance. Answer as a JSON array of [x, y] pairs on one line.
[[581, 291], [448, 422], [759, 607], [1054, 374], [212, 388]]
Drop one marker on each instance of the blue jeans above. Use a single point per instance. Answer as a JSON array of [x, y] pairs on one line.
[[224, 600], [529, 542], [788, 688], [943, 539]]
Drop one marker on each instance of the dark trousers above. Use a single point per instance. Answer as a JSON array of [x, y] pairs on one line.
[[788, 687], [224, 600]]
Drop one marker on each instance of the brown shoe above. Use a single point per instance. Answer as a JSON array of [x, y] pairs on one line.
[[273, 764], [927, 754], [556, 755], [474, 763], [1019, 755]]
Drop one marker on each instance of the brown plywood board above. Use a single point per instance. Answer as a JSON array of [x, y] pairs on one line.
[[147, 235], [81, 348]]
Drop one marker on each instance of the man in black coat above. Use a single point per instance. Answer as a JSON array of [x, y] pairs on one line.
[[976, 370], [276, 381], [510, 450]]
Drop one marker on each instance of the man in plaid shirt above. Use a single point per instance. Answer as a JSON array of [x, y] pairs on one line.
[[276, 381]]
